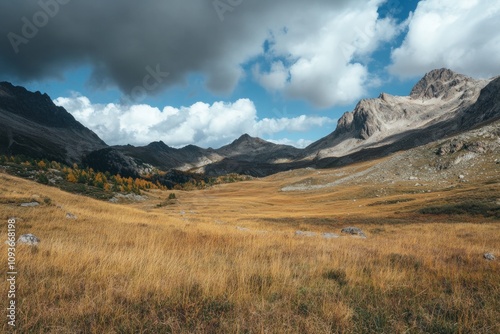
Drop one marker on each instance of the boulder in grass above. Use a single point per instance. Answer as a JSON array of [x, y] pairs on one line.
[[354, 231], [330, 236], [489, 256], [305, 233], [69, 215], [30, 204], [28, 239]]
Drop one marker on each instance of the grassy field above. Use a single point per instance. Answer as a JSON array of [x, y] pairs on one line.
[[227, 260]]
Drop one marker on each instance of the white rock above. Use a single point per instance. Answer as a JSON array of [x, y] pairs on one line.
[[489, 256], [305, 233], [30, 205], [330, 236], [28, 239]]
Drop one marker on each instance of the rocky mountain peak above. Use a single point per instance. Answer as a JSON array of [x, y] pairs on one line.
[[248, 141], [35, 106], [440, 83], [158, 145], [245, 138], [32, 125], [439, 99], [194, 149]]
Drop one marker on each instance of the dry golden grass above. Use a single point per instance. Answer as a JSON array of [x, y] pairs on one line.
[[187, 268]]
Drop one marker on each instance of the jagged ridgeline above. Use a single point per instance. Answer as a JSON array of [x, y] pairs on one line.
[[442, 103]]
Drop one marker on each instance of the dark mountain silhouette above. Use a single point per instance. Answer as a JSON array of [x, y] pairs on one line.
[[30, 124]]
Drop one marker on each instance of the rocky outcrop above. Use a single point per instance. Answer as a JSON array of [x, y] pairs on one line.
[[354, 231], [489, 257], [487, 107], [442, 83], [28, 239]]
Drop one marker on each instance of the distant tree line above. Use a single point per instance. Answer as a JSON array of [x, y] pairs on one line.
[[174, 179]]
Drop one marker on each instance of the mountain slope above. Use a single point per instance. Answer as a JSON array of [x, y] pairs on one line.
[[247, 148], [164, 157], [232, 158], [441, 104], [32, 125], [440, 96]]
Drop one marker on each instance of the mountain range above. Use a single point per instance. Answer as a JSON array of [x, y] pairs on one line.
[[441, 104]]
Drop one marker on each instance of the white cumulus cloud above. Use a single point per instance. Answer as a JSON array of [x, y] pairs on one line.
[[462, 35], [301, 143], [325, 61], [201, 124]]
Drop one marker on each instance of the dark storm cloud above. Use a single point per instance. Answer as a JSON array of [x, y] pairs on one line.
[[125, 40]]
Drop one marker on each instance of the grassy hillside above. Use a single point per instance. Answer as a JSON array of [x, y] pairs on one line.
[[227, 259]]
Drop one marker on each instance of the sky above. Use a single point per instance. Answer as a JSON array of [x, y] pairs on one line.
[[204, 72]]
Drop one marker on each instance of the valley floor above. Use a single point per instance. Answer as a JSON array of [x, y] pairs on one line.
[[228, 259]]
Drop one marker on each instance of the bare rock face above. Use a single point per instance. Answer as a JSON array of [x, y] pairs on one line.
[[442, 83], [362, 123], [487, 107], [457, 145]]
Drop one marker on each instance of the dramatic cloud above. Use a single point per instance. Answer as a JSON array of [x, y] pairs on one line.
[[319, 60], [462, 35], [314, 47], [200, 124]]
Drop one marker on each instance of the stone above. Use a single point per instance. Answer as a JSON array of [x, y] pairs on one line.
[[489, 256], [305, 233], [353, 231], [69, 215], [30, 205], [442, 151], [28, 239], [330, 236], [127, 198]]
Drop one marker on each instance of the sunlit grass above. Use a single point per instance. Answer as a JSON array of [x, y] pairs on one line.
[[186, 268]]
